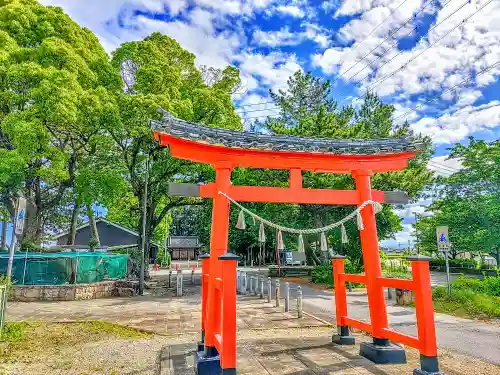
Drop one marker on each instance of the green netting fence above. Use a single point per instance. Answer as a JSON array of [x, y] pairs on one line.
[[64, 268]]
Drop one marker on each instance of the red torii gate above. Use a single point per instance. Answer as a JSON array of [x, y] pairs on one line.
[[225, 150]]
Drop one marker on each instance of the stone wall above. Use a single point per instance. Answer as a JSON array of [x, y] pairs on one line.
[[30, 293]]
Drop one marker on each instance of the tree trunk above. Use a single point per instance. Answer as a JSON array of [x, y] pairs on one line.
[[92, 224], [74, 222], [4, 234]]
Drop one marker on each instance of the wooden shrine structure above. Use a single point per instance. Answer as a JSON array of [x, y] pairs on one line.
[[225, 150]]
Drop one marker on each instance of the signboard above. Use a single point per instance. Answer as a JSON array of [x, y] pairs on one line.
[[20, 216], [443, 241]]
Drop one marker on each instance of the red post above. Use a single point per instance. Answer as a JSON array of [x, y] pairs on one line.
[[177, 267], [373, 268], [205, 263], [340, 290], [424, 307], [228, 329], [218, 247], [342, 337]]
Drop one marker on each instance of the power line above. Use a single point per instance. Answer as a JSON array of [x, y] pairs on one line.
[[396, 43], [388, 37], [383, 79], [465, 81]]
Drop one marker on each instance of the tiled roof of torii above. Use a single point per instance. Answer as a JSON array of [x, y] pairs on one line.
[[281, 143]]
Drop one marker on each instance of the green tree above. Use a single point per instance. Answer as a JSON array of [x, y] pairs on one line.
[[157, 72], [468, 203], [55, 83]]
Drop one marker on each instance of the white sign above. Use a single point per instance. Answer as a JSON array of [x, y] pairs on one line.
[[443, 241], [20, 216]]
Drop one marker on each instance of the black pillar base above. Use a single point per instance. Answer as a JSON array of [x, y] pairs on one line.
[[430, 366], [207, 365], [210, 351], [228, 371], [382, 351], [201, 344], [342, 337]]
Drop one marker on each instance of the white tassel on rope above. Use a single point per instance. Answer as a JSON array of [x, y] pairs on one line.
[[241, 221], [301, 244], [262, 233], [324, 242], [281, 245], [343, 234], [359, 221], [377, 207]]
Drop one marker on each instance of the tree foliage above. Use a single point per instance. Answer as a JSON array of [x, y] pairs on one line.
[[55, 93], [468, 202]]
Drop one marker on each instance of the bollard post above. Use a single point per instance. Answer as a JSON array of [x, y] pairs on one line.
[[192, 277], [349, 285], [251, 285], [299, 302], [389, 293], [179, 284], [238, 290], [262, 287], [170, 278], [277, 293], [256, 289], [287, 296], [269, 288]]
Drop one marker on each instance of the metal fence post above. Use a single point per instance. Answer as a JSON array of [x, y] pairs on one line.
[[287, 296], [179, 283], [262, 287], [299, 302], [251, 285], [244, 281], [277, 293], [269, 288]]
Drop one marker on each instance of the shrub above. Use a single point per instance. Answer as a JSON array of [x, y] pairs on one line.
[[323, 273], [164, 260], [465, 283], [466, 300], [492, 286]]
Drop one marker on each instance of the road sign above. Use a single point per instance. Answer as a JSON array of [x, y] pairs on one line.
[[443, 241], [20, 216]]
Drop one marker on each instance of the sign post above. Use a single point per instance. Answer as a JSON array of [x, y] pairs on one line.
[[443, 243]]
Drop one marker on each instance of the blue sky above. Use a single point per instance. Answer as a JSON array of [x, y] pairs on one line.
[[271, 39]]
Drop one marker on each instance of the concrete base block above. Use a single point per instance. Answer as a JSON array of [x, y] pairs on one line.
[[388, 353], [207, 366], [201, 346], [343, 337], [228, 371], [429, 366]]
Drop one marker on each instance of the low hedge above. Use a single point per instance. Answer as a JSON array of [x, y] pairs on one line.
[[489, 285], [466, 302]]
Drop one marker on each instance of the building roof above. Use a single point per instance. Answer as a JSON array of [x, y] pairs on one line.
[[107, 222], [183, 242], [281, 143]]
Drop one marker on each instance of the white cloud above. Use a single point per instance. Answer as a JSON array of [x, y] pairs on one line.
[[285, 37], [271, 70], [453, 127], [291, 10], [282, 37], [443, 166]]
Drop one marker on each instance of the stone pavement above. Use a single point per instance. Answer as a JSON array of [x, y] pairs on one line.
[[158, 314], [310, 352]]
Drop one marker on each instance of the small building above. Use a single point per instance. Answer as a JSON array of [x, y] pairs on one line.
[[111, 236], [183, 247]]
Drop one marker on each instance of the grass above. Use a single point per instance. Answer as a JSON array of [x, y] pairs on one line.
[[466, 303], [26, 341]]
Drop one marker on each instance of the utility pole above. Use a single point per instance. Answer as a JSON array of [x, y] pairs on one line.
[[144, 214], [416, 233]]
